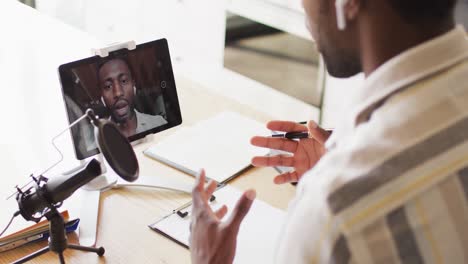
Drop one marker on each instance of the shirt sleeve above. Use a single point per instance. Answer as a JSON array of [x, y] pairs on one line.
[[309, 231]]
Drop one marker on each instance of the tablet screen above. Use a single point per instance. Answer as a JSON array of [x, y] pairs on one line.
[[134, 89]]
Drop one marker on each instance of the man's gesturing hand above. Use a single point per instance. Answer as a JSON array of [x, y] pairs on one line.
[[305, 152], [212, 240]]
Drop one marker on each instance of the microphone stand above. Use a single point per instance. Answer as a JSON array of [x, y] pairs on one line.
[[58, 242]]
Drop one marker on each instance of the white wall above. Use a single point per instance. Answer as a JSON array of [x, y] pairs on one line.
[[194, 28], [33, 111]]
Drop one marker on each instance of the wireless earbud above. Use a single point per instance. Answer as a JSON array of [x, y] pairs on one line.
[[103, 102], [340, 13]]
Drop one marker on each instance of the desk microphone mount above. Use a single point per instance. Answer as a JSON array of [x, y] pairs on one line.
[[43, 199], [58, 242]]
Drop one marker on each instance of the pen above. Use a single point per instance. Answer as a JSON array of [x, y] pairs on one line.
[[292, 135]]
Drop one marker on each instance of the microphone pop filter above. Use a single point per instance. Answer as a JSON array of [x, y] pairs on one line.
[[117, 150]]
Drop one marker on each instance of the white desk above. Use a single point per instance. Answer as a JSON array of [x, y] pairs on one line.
[[125, 213], [34, 112]]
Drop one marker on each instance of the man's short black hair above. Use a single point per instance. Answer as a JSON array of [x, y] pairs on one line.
[[111, 58], [424, 11]]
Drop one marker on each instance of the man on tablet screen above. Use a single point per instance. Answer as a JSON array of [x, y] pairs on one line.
[[118, 95]]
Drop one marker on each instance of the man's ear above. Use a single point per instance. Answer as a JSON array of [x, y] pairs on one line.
[[346, 10], [352, 9]]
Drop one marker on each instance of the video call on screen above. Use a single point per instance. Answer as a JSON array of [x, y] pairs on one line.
[[134, 89]]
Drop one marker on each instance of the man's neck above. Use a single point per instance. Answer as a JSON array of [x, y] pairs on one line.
[[382, 41]]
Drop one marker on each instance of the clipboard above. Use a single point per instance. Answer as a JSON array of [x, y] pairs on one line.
[[258, 233]]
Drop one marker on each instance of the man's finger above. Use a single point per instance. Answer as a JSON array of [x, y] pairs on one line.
[[286, 126], [198, 188], [287, 177], [317, 133], [275, 143], [221, 212], [241, 209], [209, 190], [280, 160], [200, 181]]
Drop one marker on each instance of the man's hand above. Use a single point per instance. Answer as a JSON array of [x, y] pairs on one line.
[[305, 152], [211, 240]]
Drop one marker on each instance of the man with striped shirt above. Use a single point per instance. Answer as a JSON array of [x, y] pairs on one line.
[[390, 185]]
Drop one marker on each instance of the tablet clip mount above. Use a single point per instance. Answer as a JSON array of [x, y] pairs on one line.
[[104, 52]]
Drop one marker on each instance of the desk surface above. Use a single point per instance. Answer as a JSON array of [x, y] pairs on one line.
[[125, 213]]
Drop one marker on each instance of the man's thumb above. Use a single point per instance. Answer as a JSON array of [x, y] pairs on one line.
[[242, 208], [317, 133]]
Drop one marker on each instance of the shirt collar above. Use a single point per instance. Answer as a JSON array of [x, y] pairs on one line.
[[409, 67]]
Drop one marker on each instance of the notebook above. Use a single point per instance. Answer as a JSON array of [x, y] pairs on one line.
[[39, 235], [22, 232], [258, 233], [220, 145], [21, 228]]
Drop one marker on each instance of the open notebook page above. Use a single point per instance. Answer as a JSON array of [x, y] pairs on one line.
[[220, 145]]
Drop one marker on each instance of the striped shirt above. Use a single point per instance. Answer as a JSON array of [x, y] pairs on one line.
[[393, 186]]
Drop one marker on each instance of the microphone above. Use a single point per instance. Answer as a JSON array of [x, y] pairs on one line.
[[60, 188], [46, 196], [51, 192]]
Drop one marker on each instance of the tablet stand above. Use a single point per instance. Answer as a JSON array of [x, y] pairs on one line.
[[107, 181]]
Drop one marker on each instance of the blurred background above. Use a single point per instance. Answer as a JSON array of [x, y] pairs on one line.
[[257, 52], [263, 40]]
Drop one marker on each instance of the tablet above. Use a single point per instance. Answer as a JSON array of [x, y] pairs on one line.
[[134, 89]]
